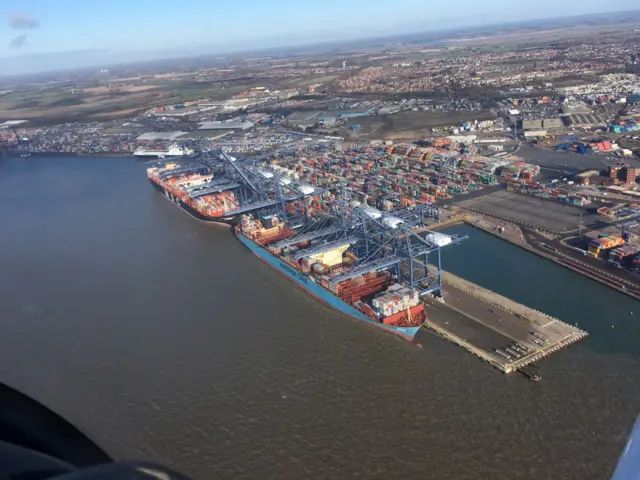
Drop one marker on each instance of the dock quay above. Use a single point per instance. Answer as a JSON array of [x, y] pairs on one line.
[[507, 335]]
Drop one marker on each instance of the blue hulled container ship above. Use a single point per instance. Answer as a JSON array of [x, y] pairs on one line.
[[373, 297]]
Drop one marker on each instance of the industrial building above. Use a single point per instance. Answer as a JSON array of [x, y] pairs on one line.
[[357, 112], [330, 116], [13, 123], [535, 133], [233, 103], [328, 121], [304, 123], [160, 135], [304, 115], [304, 119], [389, 110], [552, 124], [586, 120], [624, 173], [578, 108], [633, 99], [528, 125], [339, 114], [466, 139], [491, 140], [228, 125], [587, 173], [182, 111]]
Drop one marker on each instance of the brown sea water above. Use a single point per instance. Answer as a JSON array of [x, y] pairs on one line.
[[163, 338]]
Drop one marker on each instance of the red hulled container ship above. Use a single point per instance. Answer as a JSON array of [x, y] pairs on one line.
[[193, 189]]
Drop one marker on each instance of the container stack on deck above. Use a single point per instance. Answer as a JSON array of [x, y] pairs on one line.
[[373, 293], [397, 304], [355, 289], [212, 205], [268, 230]]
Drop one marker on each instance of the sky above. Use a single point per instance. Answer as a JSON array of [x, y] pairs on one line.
[[215, 26]]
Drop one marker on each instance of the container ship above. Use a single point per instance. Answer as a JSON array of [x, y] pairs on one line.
[[373, 297], [194, 190], [172, 151]]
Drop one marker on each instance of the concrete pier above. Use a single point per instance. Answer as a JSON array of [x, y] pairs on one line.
[[504, 333]]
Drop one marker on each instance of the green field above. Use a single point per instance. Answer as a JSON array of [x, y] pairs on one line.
[[413, 125]]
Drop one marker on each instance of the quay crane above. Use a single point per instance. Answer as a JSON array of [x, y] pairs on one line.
[[376, 240]]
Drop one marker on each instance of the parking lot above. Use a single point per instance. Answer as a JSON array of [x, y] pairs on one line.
[[572, 162], [530, 211]]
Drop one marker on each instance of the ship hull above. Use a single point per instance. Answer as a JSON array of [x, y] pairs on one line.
[[191, 211], [151, 156], [305, 282]]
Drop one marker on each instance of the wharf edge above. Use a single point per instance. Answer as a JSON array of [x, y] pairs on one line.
[[408, 333], [467, 219]]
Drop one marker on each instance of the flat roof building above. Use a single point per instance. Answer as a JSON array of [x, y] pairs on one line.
[[350, 113], [356, 112], [13, 123], [552, 124], [389, 110], [586, 120], [588, 173], [234, 125], [328, 120], [304, 115], [183, 112], [160, 135], [531, 125], [535, 133], [304, 123], [575, 108]]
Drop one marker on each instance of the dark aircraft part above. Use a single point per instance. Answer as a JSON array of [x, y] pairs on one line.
[[29, 424]]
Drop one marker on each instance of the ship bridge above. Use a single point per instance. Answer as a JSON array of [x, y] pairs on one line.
[[213, 182], [326, 247], [211, 189], [379, 264], [325, 232], [259, 205], [181, 171]]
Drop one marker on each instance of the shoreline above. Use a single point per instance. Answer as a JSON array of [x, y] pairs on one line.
[[72, 154]]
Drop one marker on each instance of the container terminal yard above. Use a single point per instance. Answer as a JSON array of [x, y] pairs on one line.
[[560, 215], [380, 266]]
